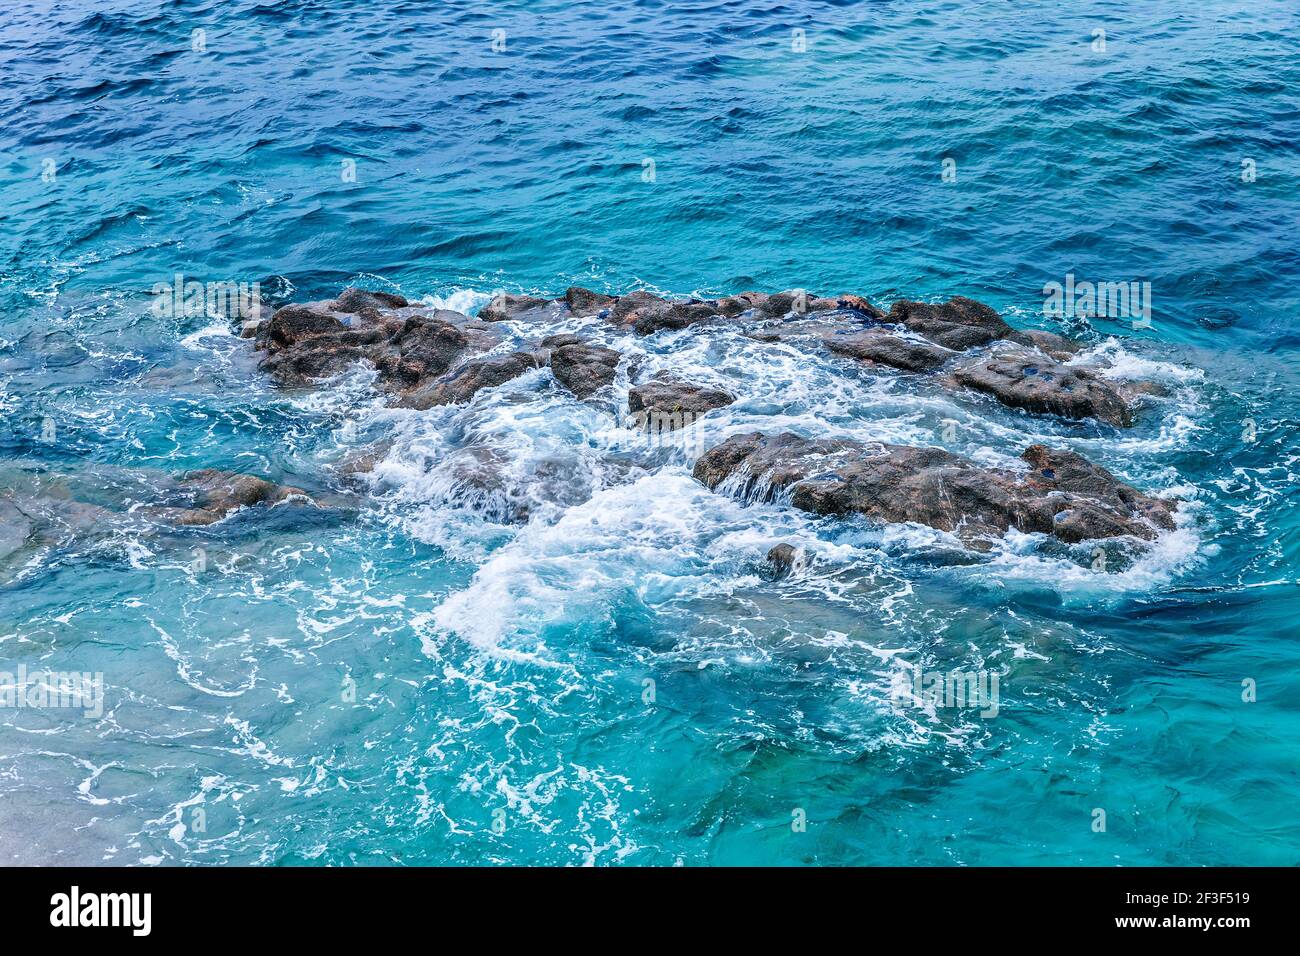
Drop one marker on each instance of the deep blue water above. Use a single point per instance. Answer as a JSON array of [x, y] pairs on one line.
[[500, 670]]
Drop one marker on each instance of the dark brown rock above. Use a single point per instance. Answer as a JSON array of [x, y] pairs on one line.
[[847, 302], [584, 369], [960, 323], [637, 305], [585, 302], [1067, 497], [679, 315], [469, 379], [783, 559], [295, 323], [734, 305], [1029, 379], [669, 395]]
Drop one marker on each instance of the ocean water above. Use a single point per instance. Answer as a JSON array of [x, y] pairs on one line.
[[399, 675]]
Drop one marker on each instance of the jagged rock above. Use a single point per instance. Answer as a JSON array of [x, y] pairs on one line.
[[420, 349], [469, 379], [505, 307], [353, 299], [585, 302], [215, 493], [1100, 505], [960, 323], [882, 348], [582, 368], [293, 324], [1029, 379], [669, 395], [1067, 496]]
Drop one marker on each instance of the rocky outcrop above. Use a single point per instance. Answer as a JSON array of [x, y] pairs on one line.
[[665, 394], [514, 308], [879, 347], [1027, 378], [958, 324], [466, 381], [580, 367], [213, 494], [585, 302], [431, 357], [1063, 495]]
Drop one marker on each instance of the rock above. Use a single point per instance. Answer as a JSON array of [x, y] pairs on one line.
[[469, 379], [784, 559], [780, 304], [1067, 496], [1055, 470], [504, 308], [353, 299], [293, 324], [1057, 346], [215, 493], [584, 369], [813, 327], [882, 348], [850, 303], [679, 315], [1029, 379], [734, 305], [421, 348], [557, 341], [585, 302], [15, 528], [637, 305], [960, 323], [669, 395]]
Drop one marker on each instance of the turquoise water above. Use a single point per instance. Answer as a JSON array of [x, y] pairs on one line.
[[395, 676]]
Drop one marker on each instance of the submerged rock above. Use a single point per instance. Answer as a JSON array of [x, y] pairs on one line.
[[669, 395], [1027, 378], [784, 559], [1065, 496], [215, 493]]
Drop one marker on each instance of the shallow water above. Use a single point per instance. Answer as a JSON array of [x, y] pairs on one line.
[[397, 675]]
